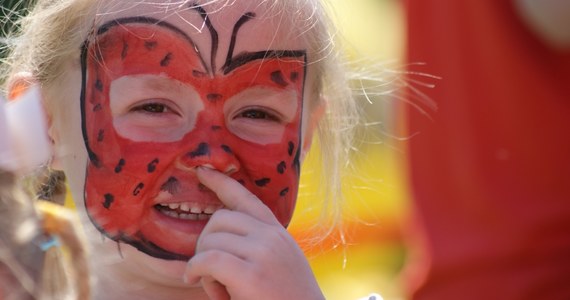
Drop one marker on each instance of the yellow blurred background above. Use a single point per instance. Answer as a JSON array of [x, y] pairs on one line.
[[371, 257]]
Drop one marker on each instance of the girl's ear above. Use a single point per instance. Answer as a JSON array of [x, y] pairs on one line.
[[19, 84], [315, 117], [20, 88]]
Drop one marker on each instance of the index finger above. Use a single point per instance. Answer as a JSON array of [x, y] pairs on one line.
[[234, 195]]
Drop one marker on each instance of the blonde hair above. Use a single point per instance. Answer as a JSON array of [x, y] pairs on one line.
[[50, 37]]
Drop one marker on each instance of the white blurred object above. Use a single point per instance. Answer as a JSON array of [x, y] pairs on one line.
[[24, 142], [5, 150]]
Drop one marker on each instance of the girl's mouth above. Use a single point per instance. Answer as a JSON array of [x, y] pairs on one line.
[[187, 210]]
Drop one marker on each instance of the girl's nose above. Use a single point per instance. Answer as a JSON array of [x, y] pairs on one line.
[[218, 157]]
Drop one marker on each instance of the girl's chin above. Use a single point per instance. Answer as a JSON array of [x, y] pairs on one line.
[[165, 272], [171, 270]]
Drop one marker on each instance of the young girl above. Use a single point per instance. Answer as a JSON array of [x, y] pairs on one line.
[[181, 127]]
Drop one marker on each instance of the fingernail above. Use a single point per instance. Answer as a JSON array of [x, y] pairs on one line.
[[203, 169], [206, 167]]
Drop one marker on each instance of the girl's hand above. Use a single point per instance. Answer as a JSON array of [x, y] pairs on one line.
[[245, 253]]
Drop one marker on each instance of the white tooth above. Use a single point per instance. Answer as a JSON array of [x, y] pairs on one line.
[[203, 217], [196, 210], [174, 205], [163, 204], [209, 210], [184, 216], [185, 207]]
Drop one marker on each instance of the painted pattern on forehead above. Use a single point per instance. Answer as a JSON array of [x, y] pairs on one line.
[[125, 177]]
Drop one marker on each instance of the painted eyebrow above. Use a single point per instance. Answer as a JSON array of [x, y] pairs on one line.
[[246, 57]]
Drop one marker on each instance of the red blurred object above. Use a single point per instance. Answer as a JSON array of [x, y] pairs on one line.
[[490, 169]]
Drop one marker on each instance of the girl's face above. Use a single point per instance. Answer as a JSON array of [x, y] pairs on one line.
[[165, 92]]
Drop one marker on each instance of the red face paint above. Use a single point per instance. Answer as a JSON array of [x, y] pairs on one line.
[[130, 175]]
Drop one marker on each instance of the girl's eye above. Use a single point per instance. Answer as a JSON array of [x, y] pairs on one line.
[[153, 108], [258, 114]]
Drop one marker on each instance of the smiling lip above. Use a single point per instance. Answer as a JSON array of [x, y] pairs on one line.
[[188, 210]]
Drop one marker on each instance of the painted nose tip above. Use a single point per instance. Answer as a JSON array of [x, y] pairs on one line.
[[220, 158]]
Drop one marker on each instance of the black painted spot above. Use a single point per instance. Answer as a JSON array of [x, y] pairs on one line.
[[109, 199], [262, 182], [277, 77], [120, 166], [97, 107], [100, 135], [216, 127], [203, 149], [294, 76], [291, 148], [281, 167], [284, 192], [151, 167], [150, 45], [172, 185], [99, 85], [138, 189], [198, 74], [125, 50], [214, 97], [166, 60], [227, 149]]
